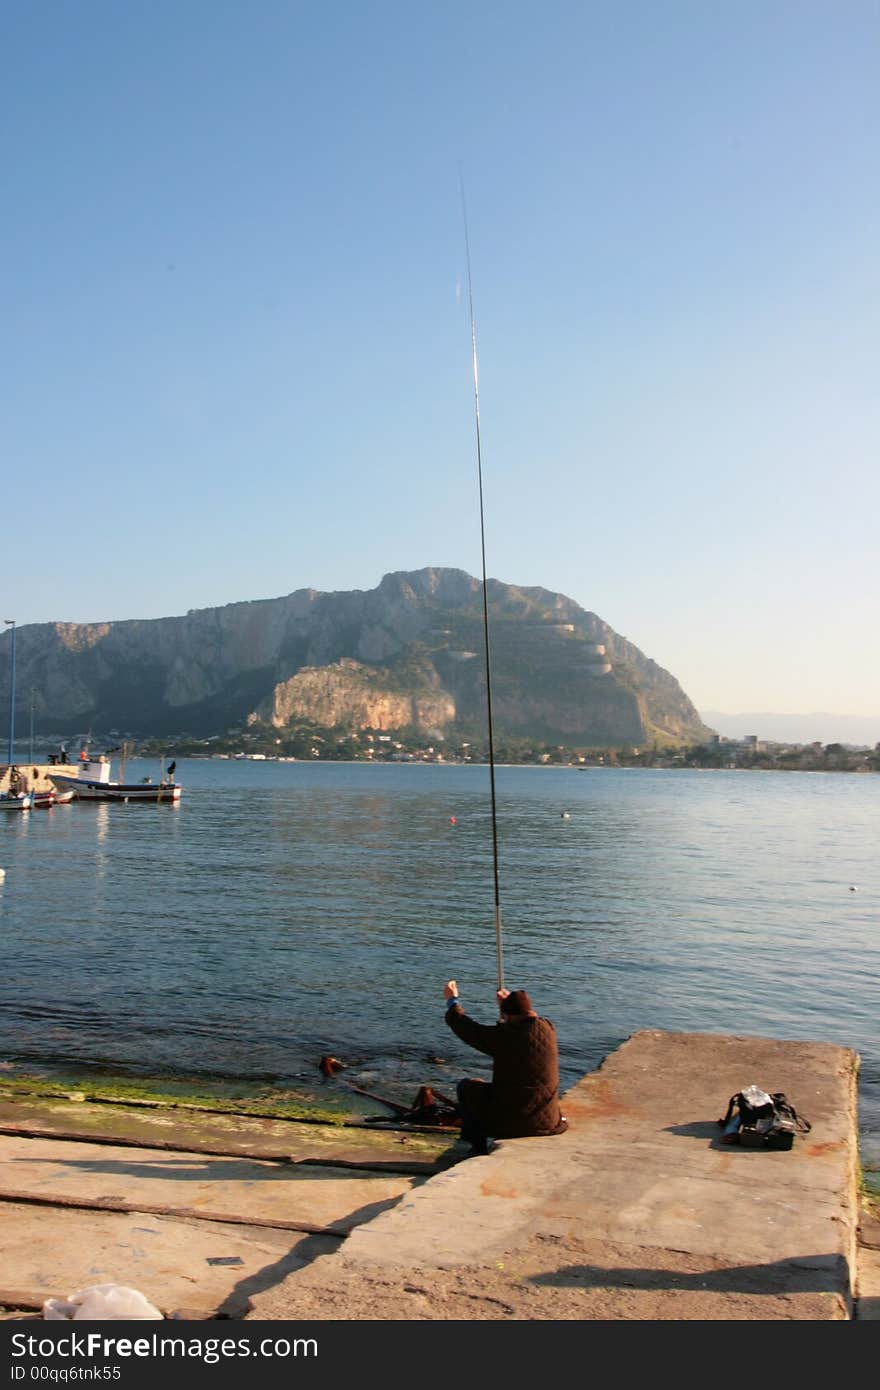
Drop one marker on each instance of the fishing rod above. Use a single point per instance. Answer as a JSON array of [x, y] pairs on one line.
[[467, 247]]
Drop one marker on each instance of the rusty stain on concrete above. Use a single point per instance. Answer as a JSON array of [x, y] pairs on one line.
[[497, 1188], [603, 1101]]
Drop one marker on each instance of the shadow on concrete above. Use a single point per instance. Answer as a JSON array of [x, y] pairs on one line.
[[804, 1274], [237, 1304], [219, 1169], [708, 1129], [405, 1167], [699, 1129]]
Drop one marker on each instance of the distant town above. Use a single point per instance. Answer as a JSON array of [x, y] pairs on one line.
[[311, 744]]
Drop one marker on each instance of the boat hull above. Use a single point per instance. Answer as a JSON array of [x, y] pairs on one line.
[[53, 798], [85, 790]]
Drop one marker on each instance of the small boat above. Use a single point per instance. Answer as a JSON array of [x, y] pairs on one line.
[[18, 795], [92, 783], [53, 797]]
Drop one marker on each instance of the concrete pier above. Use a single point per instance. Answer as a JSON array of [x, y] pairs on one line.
[[637, 1212]]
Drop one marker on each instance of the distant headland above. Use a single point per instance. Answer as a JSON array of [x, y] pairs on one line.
[[404, 658]]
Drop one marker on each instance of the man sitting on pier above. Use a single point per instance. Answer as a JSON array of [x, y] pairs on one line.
[[522, 1098]]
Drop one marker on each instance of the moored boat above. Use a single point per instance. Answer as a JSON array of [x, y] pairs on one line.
[[17, 793], [53, 797], [16, 801], [93, 783]]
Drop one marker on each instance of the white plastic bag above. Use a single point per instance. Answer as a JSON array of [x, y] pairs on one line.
[[755, 1097], [100, 1303]]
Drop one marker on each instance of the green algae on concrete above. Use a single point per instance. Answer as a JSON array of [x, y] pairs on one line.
[[210, 1132], [214, 1116], [222, 1097], [870, 1183]]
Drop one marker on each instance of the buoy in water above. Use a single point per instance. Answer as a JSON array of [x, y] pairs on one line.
[[853, 888], [452, 820], [566, 815]]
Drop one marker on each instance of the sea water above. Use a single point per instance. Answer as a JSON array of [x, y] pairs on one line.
[[283, 911]]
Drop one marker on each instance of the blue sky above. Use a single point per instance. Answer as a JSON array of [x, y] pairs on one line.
[[236, 350]]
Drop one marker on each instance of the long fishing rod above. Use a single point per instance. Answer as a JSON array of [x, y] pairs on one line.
[[498, 949]]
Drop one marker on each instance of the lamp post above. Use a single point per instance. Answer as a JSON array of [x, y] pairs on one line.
[[10, 622]]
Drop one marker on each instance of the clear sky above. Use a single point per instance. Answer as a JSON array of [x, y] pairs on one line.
[[235, 348]]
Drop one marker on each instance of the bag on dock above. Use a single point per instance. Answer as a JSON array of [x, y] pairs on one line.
[[760, 1119]]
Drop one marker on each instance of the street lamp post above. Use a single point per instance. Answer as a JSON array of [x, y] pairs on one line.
[[10, 622]]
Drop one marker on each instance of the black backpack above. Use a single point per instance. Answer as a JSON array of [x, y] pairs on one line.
[[759, 1119]]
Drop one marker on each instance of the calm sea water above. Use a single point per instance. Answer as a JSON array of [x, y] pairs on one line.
[[284, 911]]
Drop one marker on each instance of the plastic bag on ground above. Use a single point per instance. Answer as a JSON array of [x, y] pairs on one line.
[[100, 1303]]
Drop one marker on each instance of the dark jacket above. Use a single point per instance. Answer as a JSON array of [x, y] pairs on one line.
[[523, 1098]]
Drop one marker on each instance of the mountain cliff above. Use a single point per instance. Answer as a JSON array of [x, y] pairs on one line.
[[408, 653]]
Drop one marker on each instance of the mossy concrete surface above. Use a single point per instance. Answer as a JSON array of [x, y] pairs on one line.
[[226, 1097], [178, 1127]]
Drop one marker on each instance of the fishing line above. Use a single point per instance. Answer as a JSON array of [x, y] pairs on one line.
[[496, 878]]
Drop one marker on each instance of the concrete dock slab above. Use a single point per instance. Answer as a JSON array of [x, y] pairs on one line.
[[182, 1266], [195, 1232], [637, 1211], [246, 1189]]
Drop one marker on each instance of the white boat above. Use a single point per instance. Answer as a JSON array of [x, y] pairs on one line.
[[54, 797], [18, 795], [92, 783]]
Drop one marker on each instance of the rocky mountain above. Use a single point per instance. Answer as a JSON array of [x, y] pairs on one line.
[[408, 653]]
